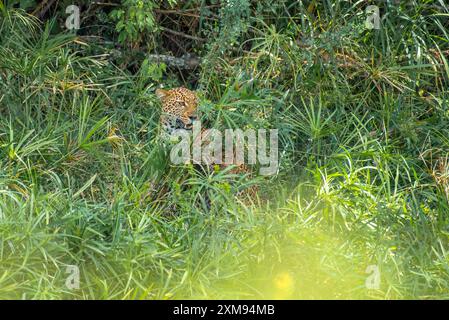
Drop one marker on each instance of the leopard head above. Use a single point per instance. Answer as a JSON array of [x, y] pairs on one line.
[[178, 107]]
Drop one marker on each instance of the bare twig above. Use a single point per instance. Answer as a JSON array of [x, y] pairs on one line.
[[186, 10], [181, 34], [43, 8], [105, 4]]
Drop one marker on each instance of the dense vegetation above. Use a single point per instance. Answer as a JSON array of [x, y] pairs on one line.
[[364, 150]]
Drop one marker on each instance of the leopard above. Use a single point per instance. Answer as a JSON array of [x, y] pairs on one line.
[[179, 111], [179, 106]]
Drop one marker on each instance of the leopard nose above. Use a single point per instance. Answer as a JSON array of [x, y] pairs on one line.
[[194, 118]]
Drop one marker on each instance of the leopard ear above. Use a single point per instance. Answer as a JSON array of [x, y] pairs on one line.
[[160, 93]]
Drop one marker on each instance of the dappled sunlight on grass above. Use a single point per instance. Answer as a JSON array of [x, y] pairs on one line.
[[308, 265], [358, 208]]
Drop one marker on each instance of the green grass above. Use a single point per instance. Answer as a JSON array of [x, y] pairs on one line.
[[363, 117]]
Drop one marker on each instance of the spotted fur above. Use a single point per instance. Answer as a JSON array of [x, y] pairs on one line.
[[178, 108]]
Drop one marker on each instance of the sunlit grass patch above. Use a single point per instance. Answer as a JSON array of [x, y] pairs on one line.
[[363, 187]]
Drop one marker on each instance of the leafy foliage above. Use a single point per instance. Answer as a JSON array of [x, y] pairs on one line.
[[363, 125], [133, 18]]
